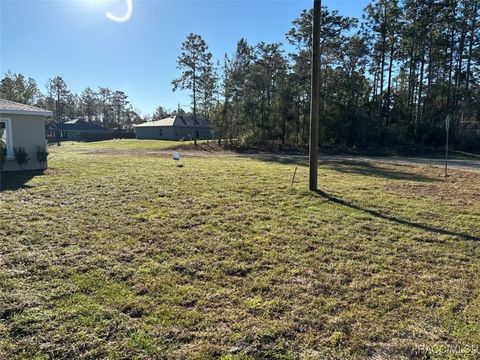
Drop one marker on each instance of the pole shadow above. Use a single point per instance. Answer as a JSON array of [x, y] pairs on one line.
[[394, 219]]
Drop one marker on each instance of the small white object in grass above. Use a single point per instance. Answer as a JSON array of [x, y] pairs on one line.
[[176, 156]]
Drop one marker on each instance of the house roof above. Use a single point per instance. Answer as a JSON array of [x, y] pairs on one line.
[[178, 121], [14, 108], [80, 125]]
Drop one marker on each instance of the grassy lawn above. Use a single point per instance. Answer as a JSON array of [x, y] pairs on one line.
[[125, 255], [123, 145]]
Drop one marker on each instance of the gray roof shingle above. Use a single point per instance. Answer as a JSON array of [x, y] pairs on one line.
[[12, 107], [80, 125]]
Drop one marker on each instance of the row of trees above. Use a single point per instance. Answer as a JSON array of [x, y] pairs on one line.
[[388, 79], [109, 108]]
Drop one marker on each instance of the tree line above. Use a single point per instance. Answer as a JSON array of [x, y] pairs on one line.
[[388, 79], [106, 107]]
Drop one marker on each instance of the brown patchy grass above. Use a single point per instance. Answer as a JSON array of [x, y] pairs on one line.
[[458, 188]]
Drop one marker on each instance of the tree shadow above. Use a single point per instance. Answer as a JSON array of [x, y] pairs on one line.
[[358, 167], [366, 168], [16, 180], [394, 219], [300, 160]]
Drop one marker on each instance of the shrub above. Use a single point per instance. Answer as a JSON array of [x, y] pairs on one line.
[[3, 157], [21, 155], [42, 154]]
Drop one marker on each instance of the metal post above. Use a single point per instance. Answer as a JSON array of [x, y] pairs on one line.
[[293, 178], [315, 96]]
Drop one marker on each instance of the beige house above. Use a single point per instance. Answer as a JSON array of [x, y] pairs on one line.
[[176, 127], [22, 126]]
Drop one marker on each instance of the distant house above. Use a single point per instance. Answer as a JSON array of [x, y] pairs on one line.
[[78, 129], [22, 126], [174, 128]]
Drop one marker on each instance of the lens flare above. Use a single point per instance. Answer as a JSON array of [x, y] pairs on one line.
[[123, 18]]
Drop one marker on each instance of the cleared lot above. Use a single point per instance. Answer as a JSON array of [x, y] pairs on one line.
[[117, 252]]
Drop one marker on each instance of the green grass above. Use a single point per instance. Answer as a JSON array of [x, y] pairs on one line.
[[122, 254], [125, 144]]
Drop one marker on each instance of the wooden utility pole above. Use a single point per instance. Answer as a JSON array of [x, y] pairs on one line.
[[315, 96]]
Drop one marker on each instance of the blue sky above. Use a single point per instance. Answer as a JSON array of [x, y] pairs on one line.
[[75, 40]]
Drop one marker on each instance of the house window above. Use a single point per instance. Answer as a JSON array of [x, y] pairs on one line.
[[160, 132], [6, 136]]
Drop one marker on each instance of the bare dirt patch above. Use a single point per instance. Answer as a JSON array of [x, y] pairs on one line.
[[211, 146], [460, 188]]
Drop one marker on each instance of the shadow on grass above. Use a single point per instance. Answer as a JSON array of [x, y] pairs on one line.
[[369, 169], [17, 179], [394, 219], [358, 167]]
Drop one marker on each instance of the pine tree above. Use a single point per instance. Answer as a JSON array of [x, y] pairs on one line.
[[58, 94], [194, 62], [89, 104], [15, 87]]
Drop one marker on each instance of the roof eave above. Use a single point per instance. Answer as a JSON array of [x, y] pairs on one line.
[[177, 126], [26, 112]]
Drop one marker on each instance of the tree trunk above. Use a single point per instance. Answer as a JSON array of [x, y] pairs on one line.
[[419, 97], [411, 81], [382, 71], [58, 117], [469, 58], [428, 100], [450, 68], [284, 121], [194, 107], [387, 105], [457, 124]]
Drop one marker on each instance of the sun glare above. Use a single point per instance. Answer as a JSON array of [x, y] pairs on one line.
[[122, 18], [115, 15]]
